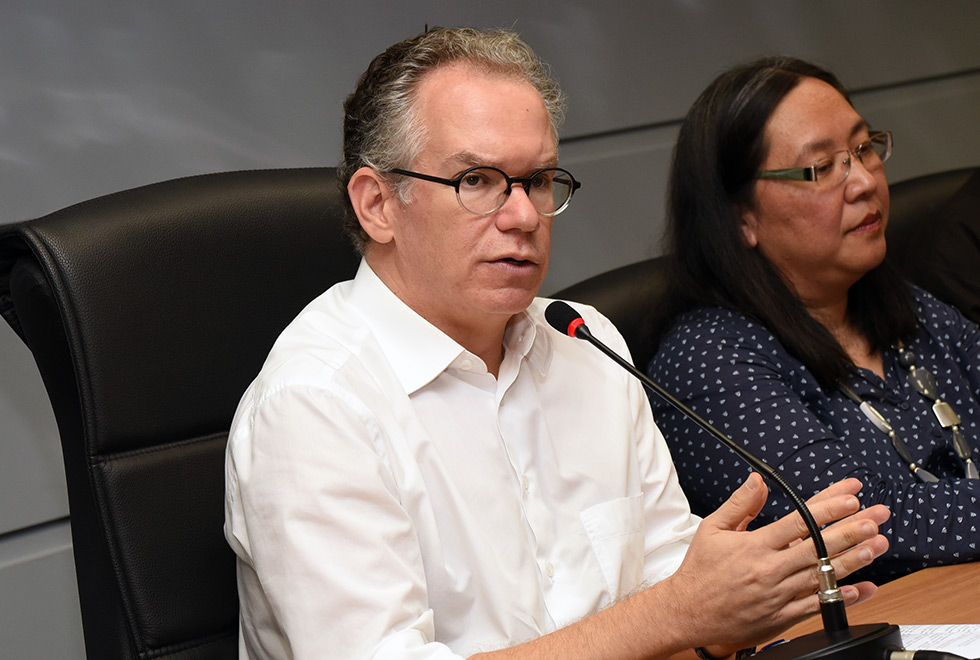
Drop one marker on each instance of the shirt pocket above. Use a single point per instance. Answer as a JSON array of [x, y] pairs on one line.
[[615, 530]]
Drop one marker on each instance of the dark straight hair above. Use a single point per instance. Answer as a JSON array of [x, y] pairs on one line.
[[720, 148]]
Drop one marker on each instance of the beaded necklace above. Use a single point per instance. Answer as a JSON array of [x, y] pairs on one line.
[[925, 384]]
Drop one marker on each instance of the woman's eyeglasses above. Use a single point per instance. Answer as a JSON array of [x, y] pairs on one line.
[[832, 171]]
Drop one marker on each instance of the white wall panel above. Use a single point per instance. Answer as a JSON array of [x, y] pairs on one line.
[[38, 601], [32, 478]]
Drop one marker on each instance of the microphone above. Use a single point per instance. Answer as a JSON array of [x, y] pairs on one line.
[[837, 640]]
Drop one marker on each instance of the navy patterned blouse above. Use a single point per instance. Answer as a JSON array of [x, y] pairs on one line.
[[735, 374]]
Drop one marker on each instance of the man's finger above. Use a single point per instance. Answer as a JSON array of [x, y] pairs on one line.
[[742, 507], [789, 528]]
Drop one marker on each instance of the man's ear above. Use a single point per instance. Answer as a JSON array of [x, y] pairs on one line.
[[749, 224], [369, 195]]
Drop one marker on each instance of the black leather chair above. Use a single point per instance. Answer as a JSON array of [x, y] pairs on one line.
[[915, 205], [630, 295], [148, 313], [934, 235]]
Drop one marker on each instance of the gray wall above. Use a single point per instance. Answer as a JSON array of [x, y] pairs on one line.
[[101, 96]]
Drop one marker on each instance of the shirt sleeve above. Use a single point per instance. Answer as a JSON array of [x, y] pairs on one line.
[[742, 381], [329, 562], [669, 524]]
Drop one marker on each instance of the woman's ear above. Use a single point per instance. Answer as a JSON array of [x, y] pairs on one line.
[[748, 224], [369, 194]]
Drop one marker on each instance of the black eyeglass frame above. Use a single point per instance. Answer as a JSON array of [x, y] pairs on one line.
[[511, 180], [810, 173]]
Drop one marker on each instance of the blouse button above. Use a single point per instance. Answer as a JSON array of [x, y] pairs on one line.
[[549, 570]]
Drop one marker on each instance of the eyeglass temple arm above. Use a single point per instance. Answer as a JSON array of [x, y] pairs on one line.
[[794, 174], [425, 177]]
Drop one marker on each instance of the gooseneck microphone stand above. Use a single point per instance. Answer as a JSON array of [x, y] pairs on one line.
[[837, 640]]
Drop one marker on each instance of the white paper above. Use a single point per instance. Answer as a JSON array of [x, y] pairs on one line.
[[963, 639]]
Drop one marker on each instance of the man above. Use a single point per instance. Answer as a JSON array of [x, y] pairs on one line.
[[424, 469]]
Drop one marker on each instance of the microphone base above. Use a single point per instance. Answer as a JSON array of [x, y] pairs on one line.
[[873, 641]]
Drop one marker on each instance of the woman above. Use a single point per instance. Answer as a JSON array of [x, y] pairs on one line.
[[787, 329]]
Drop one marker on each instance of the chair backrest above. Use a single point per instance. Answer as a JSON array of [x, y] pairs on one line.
[[916, 203], [630, 295], [934, 235], [148, 313]]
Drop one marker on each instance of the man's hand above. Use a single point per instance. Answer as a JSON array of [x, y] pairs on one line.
[[735, 588], [738, 588]]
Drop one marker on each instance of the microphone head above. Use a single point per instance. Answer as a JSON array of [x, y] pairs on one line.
[[563, 318]]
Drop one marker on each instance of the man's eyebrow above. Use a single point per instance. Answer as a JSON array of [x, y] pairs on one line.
[[466, 159]]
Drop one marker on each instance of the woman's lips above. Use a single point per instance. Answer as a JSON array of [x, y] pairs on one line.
[[870, 222]]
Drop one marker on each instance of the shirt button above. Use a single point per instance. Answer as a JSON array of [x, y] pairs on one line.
[[549, 570], [466, 365], [524, 482]]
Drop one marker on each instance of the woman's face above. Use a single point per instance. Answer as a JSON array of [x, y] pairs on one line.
[[821, 241]]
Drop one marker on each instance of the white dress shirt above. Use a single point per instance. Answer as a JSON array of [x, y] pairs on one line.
[[387, 497]]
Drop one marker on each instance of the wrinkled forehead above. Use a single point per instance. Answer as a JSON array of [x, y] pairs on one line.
[[480, 118]]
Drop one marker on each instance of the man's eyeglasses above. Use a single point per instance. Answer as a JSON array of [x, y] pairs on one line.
[[831, 171], [483, 190]]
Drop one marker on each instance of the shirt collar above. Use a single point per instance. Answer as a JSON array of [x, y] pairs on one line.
[[418, 351], [525, 339]]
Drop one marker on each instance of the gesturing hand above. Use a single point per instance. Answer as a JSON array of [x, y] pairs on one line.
[[743, 587]]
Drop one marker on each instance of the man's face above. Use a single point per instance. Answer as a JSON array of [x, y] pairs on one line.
[[457, 269]]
